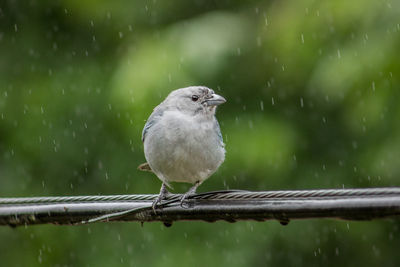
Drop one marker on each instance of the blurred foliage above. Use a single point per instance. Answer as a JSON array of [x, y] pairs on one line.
[[312, 89]]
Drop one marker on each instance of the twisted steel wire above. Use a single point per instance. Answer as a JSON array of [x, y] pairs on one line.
[[228, 205], [215, 195]]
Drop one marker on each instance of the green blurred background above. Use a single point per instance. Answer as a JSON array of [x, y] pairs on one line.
[[312, 90]]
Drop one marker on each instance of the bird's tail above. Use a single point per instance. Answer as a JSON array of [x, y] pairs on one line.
[[145, 167]]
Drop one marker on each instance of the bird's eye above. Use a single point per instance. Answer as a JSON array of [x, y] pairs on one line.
[[195, 98]]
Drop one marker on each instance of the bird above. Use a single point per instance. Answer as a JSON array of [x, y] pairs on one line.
[[182, 139]]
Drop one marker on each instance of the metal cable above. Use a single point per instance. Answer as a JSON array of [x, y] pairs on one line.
[[228, 205], [216, 195]]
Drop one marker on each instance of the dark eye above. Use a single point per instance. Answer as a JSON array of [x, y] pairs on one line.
[[195, 98]]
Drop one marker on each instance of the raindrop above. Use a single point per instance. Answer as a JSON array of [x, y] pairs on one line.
[[338, 54], [272, 101], [262, 105], [265, 19], [258, 41], [121, 35], [390, 236], [250, 124], [373, 86], [302, 38], [15, 27], [354, 144], [301, 102], [238, 51]]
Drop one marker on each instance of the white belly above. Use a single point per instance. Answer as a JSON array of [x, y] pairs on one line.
[[185, 152]]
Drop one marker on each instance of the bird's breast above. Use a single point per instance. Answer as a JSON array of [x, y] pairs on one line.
[[182, 149]]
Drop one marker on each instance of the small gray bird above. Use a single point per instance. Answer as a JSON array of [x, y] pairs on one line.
[[182, 139]]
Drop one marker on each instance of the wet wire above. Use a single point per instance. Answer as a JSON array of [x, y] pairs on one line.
[[214, 195], [230, 205]]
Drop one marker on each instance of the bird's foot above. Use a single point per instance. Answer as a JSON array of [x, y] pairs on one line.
[[163, 195], [188, 194], [184, 203]]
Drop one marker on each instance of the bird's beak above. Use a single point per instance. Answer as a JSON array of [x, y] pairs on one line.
[[215, 100]]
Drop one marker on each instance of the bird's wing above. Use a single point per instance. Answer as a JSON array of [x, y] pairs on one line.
[[218, 130], [154, 117]]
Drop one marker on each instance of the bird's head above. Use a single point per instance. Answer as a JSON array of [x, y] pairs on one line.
[[194, 100]]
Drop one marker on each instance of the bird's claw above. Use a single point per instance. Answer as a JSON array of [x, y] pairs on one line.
[[155, 203], [191, 192], [163, 195], [184, 203]]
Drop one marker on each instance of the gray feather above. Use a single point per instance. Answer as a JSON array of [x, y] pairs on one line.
[[182, 138]]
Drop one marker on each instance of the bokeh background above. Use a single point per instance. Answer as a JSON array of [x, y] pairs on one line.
[[313, 102]]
